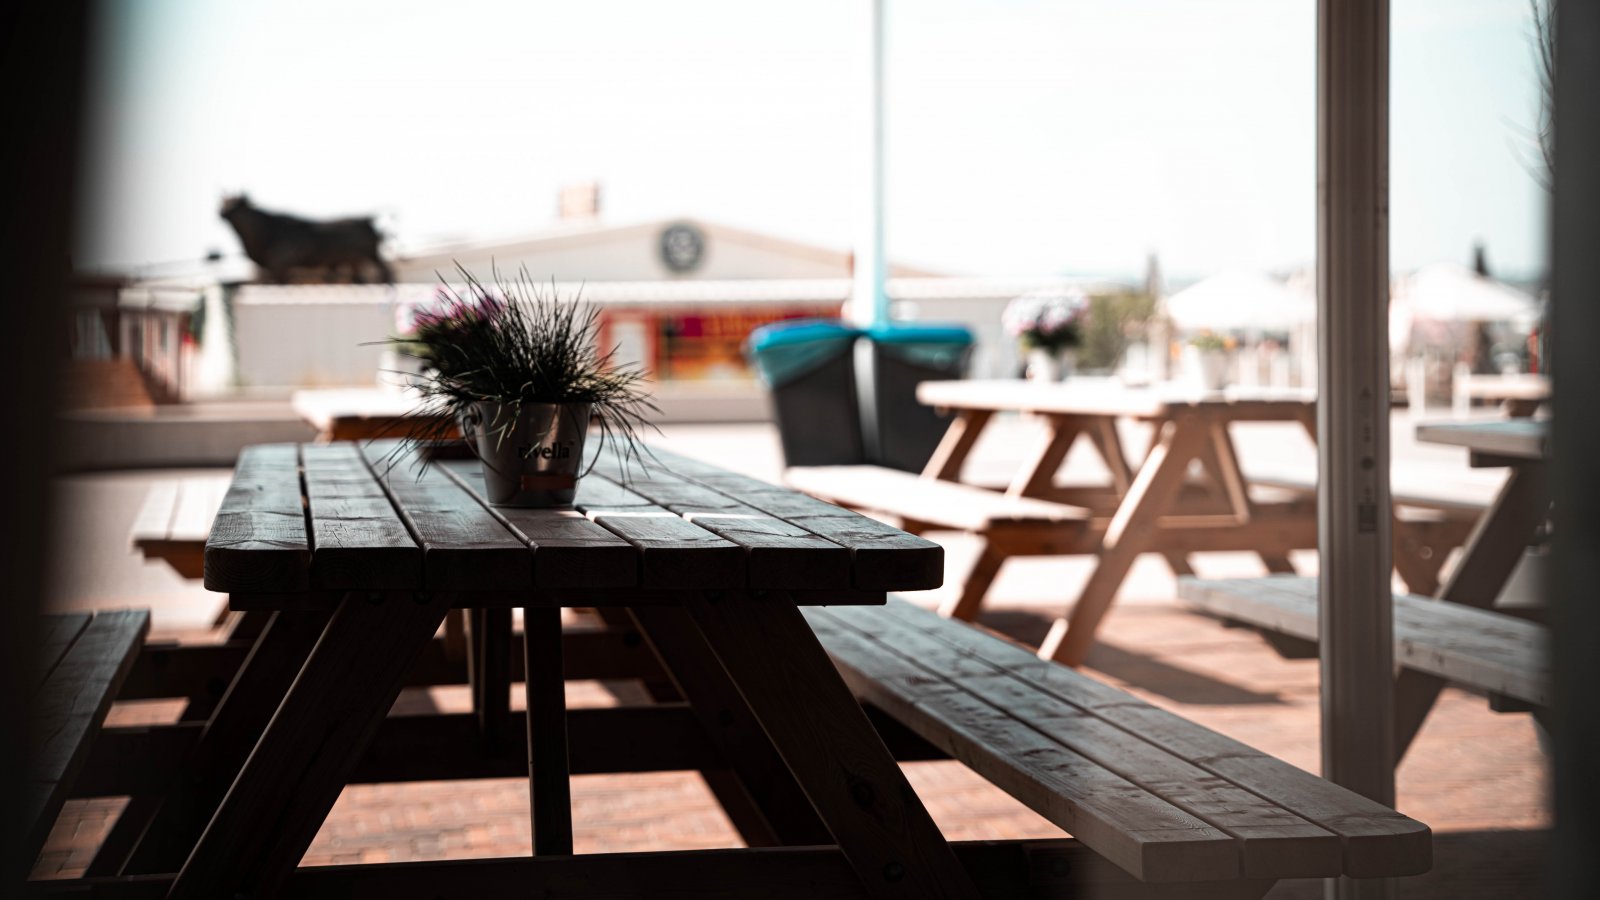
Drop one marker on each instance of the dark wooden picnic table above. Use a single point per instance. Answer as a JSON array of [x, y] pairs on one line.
[[358, 567]]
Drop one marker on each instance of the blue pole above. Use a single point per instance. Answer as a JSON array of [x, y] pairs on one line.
[[869, 304]]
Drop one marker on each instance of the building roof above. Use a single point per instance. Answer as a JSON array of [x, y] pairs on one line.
[[588, 232]]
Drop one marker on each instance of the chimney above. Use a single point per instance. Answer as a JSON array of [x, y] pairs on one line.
[[579, 202]]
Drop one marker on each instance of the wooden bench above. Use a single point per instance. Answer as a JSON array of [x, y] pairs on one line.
[[175, 519], [84, 659], [1008, 526], [1427, 526], [1164, 799], [1503, 656]]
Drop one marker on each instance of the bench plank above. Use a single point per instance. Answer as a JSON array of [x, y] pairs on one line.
[[929, 500], [259, 540], [1377, 841], [1149, 838], [1478, 648], [154, 521], [57, 635], [70, 707], [1271, 841]]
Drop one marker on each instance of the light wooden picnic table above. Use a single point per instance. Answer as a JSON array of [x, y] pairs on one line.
[[361, 414], [1145, 500]]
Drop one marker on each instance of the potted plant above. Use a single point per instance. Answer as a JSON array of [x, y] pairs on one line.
[[1049, 326], [521, 371], [1209, 356]]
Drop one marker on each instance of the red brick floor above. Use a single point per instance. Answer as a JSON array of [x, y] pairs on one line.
[[1477, 777]]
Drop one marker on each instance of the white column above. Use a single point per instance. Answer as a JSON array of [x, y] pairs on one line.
[[868, 302], [1353, 410]]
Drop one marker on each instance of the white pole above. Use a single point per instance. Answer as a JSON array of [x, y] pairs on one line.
[[1353, 410], [868, 301]]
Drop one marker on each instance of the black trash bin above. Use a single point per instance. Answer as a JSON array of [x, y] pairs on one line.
[[809, 365], [902, 433]]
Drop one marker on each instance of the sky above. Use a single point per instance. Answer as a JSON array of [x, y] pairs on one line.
[[1074, 136]]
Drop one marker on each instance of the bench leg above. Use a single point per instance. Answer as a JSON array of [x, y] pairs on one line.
[[298, 767], [966, 605], [1277, 563], [230, 733], [1495, 548], [818, 728], [730, 787], [760, 796]]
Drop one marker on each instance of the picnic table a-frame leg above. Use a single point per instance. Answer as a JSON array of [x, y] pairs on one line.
[[1491, 553], [794, 691], [1178, 442], [300, 764]]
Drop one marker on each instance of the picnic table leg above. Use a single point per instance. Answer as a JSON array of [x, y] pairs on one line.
[[966, 604], [325, 722], [726, 785], [1495, 548], [549, 776], [819, 729], [489, 671], [774, 810], [951, 454], [1037, 475], [1130, 533], [229, 735]]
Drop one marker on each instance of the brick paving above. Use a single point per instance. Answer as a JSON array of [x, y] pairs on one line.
[[1477, 777]]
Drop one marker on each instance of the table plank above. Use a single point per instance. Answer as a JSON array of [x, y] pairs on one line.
[[569, 549], [882, 557], [673, 552], [1254, 404], [464, 547], [360, 541], [778, 553], [1512, 438], [259, 539]]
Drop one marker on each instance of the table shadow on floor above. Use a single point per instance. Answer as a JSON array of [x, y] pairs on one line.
[[1131, 667]]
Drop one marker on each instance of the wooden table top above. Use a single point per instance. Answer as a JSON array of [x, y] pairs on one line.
[[1108, 399], [1514, 438], [304, 519]]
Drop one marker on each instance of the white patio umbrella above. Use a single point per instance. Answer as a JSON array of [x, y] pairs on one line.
[[1241, 300], [1448, 292]]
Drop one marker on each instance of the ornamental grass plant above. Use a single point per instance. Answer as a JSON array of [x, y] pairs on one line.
[[513, 344]]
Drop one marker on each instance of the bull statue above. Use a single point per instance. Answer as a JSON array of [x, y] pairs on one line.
[[291, 248]]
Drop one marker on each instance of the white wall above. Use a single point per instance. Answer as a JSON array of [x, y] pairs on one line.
[[283, 342]]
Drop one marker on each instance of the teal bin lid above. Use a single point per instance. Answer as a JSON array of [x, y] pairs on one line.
[[918, 333], [800, 331], [784, 351]]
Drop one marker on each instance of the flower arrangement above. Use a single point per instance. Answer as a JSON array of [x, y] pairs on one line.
[[1051, 321], [491, 353], [1210, 341]]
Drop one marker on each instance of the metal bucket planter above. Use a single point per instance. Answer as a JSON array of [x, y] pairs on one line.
[[532, 453]]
